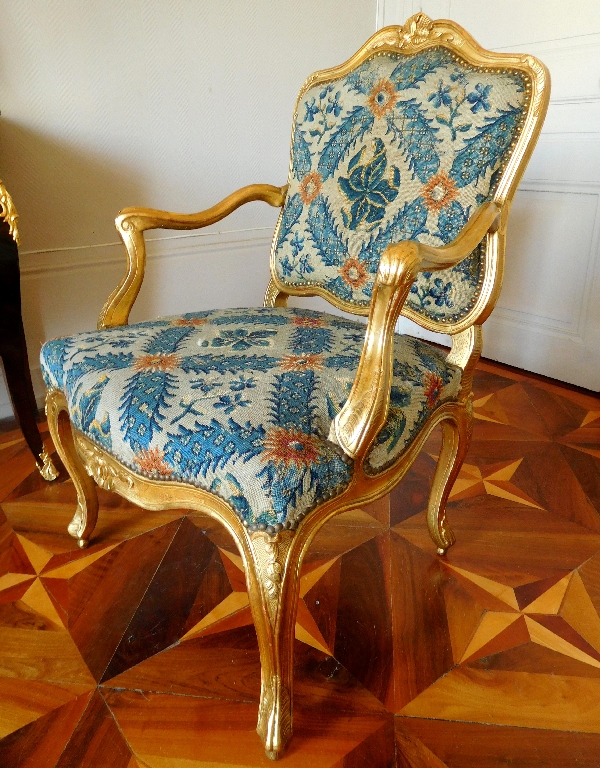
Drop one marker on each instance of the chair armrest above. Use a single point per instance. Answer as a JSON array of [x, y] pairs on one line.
[[131, 223], [365, 412], [485, 219]]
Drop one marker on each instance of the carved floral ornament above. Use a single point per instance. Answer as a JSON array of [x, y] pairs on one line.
[[416, 32], [270, 554], [105, 475]]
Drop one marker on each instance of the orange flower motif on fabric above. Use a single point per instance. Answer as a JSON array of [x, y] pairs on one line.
[[159, 362], [439, 191], [303, 362], [310, 186], [433, 386], [290, 447], [152, 460], [382, 98], [353, 273], [308, 322], [189, 321]]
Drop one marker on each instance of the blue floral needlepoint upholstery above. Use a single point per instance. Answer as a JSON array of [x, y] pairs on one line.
[[401, 148], [240, 402]]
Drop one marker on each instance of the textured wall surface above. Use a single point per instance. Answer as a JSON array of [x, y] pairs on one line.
[[548, 315], [166, 104], [157, 103], [176, 104]]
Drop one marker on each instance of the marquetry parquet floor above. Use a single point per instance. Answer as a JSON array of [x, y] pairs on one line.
[[140, 652]]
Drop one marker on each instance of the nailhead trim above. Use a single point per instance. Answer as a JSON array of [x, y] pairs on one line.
[[527, 91]]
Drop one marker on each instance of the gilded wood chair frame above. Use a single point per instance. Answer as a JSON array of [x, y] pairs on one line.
[[272, 559]]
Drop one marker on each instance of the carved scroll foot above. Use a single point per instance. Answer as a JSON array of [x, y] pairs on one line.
[[274, 717], [273, 589], [76, 525], [46, 466], [84, 519], [456, 436]]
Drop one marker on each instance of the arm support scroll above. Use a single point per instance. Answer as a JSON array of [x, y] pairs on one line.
[[365, 412], [485, 219], [132, 222]]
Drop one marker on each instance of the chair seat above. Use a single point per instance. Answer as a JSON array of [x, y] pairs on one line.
[[240, 402]]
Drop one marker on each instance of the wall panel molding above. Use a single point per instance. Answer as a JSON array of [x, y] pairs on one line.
[[210, 261], [568, 43], [55, 260], [170, 104], [586, 250], [397, 11], [80, 140]]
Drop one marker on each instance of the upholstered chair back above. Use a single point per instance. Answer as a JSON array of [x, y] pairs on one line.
[[399, 147]]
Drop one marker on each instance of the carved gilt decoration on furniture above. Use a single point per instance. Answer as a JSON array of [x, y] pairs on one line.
[[404, 163], [8, 212], [13, 347]]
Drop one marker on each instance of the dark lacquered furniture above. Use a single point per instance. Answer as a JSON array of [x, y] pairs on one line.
[[13, 348]]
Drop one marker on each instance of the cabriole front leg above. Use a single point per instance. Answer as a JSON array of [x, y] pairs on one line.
[[59, 424], [273, 589], [456, 436]]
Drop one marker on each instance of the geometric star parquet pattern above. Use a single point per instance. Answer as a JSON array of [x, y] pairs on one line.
[[140, 651]]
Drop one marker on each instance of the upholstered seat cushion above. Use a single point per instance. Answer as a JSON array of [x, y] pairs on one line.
[[240, 401]]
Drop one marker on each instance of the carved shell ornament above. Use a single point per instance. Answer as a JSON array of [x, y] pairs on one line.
[[418, 30]]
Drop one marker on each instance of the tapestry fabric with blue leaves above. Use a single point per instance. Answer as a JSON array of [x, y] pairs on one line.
[[240, 402], [401, 148]]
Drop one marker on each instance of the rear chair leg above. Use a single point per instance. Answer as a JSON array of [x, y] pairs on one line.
[[59, 424], [273, 590], [456, 436]]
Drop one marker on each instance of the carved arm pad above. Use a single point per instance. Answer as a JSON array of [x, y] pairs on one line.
[[485, 219], [365, 412], [132, 222]]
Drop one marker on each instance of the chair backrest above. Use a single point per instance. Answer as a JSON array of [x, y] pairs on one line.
[[404, 142]]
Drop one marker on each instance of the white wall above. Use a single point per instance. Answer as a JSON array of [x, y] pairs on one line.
[[173, 104], [166, 103], [548, 315]]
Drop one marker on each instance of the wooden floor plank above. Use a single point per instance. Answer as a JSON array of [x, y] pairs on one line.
[[33, 654], [491, 655], [96, 740], [473, 745], [170, 731], [41, 743], [521, 699], [24, 701]]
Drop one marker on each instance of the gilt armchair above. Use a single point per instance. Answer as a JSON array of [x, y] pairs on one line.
[[404, 162]]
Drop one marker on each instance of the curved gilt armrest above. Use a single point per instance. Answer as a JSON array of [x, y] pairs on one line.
[[365, 412], [485, 219], [131, 223]]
